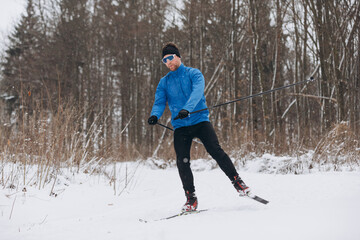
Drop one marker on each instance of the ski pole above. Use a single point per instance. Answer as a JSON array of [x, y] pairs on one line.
[[165, 126], [251, 96]]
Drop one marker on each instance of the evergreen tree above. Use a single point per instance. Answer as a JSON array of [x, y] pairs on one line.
[[22, 65]]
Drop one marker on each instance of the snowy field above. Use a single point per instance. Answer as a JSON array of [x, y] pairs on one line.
[[321, 205]]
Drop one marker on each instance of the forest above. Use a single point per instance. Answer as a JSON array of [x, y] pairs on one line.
[[78, 78]]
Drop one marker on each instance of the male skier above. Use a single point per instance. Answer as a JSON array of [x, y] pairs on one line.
[[183, 89]]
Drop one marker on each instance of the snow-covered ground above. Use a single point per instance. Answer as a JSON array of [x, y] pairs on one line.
[[321, 205]]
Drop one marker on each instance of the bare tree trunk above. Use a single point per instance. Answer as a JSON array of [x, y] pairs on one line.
[[303, 118], [201, 35], [278, 137], [252, 71]]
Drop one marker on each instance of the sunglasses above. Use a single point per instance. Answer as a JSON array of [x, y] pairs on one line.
[[170, 58]]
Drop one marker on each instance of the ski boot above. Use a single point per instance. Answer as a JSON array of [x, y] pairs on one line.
[[191, 202], [241, 187]]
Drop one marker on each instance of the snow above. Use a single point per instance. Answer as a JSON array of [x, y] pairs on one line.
[[320, 205]]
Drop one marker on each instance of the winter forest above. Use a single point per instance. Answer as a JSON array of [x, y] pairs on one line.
[[78, 159], [78, 78]]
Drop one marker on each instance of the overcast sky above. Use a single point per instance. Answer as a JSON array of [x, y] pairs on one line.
[[10, 13]]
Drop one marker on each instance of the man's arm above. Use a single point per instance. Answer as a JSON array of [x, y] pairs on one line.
[[160, 101], [198, 83]]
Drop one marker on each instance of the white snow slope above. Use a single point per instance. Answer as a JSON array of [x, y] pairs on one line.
[[309, 206]]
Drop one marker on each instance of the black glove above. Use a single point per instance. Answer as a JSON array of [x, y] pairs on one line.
[[183, 114], [152, 120]]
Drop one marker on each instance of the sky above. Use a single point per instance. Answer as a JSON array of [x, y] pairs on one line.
[[10, 13], [11, 10]]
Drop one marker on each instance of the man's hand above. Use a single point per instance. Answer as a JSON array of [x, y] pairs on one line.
[[182, 114], [152, 120]]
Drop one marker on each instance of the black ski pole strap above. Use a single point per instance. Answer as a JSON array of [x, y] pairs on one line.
[[251, 96]]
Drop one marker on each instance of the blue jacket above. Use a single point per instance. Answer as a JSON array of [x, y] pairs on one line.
[[182, 89]]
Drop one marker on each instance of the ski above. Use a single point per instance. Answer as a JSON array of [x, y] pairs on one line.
[[173, 216], [257, 198]]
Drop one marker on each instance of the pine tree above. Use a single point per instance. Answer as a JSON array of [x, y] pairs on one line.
[[21, 68]]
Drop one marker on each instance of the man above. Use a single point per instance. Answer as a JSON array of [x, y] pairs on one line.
[[183, 89]]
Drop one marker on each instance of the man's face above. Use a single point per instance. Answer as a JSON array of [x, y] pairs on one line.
[[173, 64]]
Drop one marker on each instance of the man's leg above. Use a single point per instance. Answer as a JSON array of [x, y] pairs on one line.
[[182, 144], [206, 133]]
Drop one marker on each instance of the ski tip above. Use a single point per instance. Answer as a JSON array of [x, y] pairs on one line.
[[174, 216], [257, 198], [142, 220], [261, 200]]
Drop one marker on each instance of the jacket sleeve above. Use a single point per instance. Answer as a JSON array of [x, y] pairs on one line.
[[160, 101], [198, 86]]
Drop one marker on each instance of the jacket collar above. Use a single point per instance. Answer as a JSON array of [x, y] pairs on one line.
[[180, 69]]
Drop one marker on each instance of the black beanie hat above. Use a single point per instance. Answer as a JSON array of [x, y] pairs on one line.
[[170, 48]]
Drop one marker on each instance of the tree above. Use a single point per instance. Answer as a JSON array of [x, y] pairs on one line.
[[22, 68]]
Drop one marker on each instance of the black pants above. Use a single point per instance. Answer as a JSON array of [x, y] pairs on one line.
[[182, 142]]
